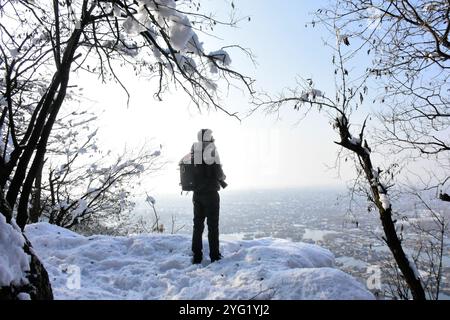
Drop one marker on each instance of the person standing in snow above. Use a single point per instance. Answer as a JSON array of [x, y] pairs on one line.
[[206, 197]]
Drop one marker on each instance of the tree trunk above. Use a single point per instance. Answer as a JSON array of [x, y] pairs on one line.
[[392, 240], [23, 178], [35, 210], [400, 257], [5, 209], [21, 169], [22, 210]]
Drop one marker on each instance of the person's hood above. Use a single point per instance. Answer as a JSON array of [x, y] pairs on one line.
[[205, 135]]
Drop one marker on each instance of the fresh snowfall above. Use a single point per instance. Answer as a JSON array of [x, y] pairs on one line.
[[155, 266]]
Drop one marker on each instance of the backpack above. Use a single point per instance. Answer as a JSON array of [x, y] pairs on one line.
[[191, 175]]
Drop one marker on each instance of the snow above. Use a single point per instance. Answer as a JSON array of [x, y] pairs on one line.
[[311, 94], [221, 57], [127, 46], [156, 153], [178, 24], [139, 167], [117, 11], [186, 63], [414, 268], [316, 235], [5, 149], [319, 283], [210, 85], [159, 266], [23, 296], [194, 45], [375, 174], [14, 52], [385, 202], [355, 141], [81, 208], [133, 26], [14, 262], [180, 32], [184, 44]]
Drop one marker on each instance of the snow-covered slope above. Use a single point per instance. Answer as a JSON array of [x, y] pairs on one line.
[[158, 267]]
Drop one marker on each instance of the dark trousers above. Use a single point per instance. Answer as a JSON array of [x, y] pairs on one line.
[[206, 206]]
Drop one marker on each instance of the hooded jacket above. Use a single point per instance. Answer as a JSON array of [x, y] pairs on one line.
[[204, 153]]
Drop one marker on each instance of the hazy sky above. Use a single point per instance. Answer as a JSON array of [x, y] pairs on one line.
[[262, 151]]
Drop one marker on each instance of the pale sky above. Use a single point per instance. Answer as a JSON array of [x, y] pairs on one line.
[[263, 151]]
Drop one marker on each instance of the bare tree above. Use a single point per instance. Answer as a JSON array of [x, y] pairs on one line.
[[407, 43], [80, 180], [350, 93], [174, 229], [149, 222], [157, 226]]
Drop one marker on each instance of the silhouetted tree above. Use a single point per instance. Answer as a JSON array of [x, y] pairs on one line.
[[371, 179]]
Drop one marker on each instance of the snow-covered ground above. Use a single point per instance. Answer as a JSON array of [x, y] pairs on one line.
[[158, 267]]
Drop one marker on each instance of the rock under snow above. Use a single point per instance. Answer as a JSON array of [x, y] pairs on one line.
[[159, 267], [14, 262]]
